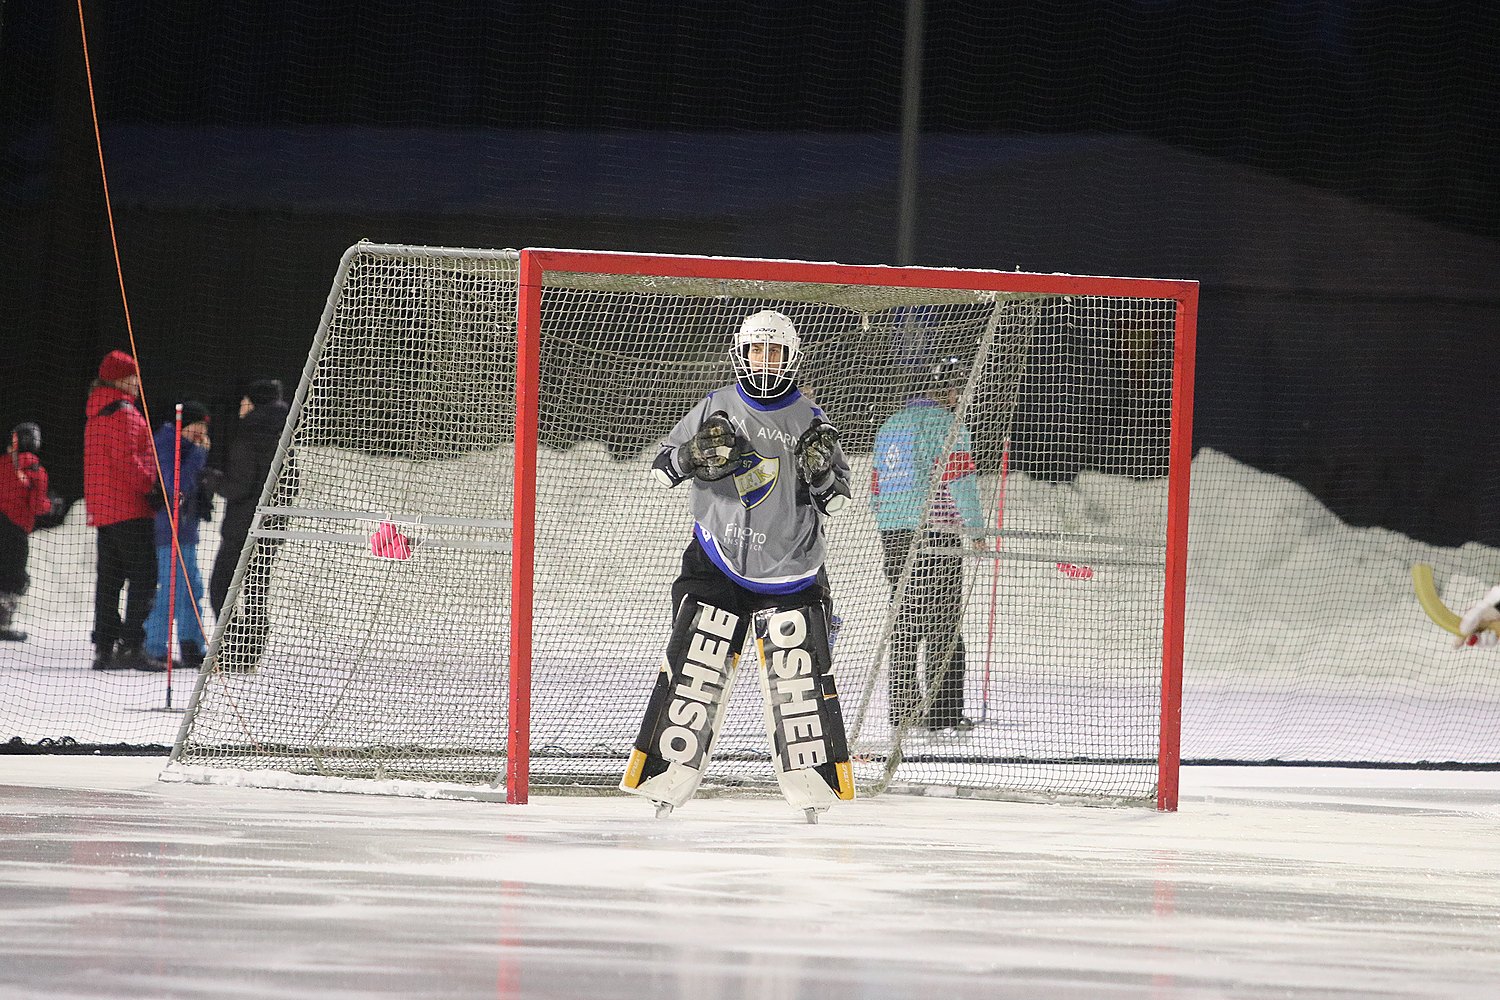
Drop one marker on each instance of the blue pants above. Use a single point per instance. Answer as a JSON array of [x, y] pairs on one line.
[[189, 593]]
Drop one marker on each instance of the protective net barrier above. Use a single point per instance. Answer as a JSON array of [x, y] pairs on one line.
[[382, 553], [1326, 172], [1280, 661], [367, 633]]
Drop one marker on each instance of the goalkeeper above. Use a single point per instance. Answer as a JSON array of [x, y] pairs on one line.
[[763, 465]]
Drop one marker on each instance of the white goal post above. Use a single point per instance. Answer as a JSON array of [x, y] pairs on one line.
[[458, 575]]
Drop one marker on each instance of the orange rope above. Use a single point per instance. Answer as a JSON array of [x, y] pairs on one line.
[[114, 242], [109, 211]]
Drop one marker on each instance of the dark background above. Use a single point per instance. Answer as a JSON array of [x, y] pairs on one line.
[[1327, 170]]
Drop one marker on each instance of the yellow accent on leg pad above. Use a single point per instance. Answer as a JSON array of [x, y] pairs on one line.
[[845, 771], [632, 777]]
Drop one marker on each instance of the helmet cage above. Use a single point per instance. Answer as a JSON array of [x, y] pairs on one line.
[[760, 381]]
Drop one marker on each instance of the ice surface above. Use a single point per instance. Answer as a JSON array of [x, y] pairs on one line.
[[1270, 882]]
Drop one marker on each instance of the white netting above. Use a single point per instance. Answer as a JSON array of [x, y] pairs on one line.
[[396, 667], [1062, 628], [368, 635]]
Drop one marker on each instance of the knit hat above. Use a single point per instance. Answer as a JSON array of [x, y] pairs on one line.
[[117, 365], [28, 436], [263, 392], [948, 373], [194, 413]]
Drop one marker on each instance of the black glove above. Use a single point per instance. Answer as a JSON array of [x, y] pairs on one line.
[[714, 452], [814, 453], [205, 506]]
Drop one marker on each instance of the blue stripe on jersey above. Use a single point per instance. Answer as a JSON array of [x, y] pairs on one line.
[[711, 549], [775, 404]]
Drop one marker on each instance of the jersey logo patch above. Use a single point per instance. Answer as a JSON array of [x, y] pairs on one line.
[[757, 478], [894, 455]]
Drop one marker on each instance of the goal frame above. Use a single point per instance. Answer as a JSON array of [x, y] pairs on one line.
[[536, 263]]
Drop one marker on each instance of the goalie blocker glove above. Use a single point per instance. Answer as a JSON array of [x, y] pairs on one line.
[[711, 454], [814, 453]]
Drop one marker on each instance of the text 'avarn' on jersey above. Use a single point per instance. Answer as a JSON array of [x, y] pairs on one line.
[[758, 525]]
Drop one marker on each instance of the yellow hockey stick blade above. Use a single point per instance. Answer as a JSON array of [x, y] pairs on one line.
[[1440, 613], [1427, 596]]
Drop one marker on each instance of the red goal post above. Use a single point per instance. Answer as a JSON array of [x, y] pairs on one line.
[[627, 274]]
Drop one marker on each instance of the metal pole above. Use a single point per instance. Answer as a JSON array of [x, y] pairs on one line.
[[174, 521], [911, 124]]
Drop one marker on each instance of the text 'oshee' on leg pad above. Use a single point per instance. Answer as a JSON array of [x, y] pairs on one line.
[[803, 720], [686, 707]]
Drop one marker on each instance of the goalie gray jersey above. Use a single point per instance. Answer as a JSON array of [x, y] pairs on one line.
[[759, 525]]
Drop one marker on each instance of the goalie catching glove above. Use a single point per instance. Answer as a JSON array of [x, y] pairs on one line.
[[714, 452], [814, 453]]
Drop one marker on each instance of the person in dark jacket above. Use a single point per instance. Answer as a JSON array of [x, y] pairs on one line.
[[119, 476], [263, 414], [23, 496], [189, 590]]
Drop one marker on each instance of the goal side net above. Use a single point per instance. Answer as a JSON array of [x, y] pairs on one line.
[[461, 573]]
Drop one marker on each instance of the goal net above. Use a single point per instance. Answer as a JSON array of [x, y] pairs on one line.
[[460, 573]]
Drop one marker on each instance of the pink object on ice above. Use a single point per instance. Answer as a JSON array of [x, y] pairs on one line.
[[389, 543], [1076, 572]]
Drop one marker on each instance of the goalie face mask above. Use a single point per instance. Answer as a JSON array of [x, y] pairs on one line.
[[766, 355]]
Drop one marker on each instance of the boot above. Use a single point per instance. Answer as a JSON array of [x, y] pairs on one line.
[[132, 656], [8, 603], [192, 657], [104, 658], [951, 723]]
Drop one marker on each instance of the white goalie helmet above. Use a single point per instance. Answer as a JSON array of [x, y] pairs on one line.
[[761, 380]]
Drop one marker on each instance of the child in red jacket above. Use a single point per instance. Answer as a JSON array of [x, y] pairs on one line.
[[23, 495]]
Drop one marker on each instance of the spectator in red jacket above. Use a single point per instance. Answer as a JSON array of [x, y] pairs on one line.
[[23, 495], [119, 478]]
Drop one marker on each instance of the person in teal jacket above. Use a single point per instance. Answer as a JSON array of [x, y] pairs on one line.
[[917, 484]]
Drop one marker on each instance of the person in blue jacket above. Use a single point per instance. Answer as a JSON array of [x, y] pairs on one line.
[[197, 505], [924, 479]]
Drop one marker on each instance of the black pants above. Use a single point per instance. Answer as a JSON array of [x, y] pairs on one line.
[[14, 547], [702, 580], [223, 572], [127, 558], [931, 616], [245, 639]]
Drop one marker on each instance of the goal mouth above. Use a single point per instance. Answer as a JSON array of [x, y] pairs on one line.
[[460, 554]]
